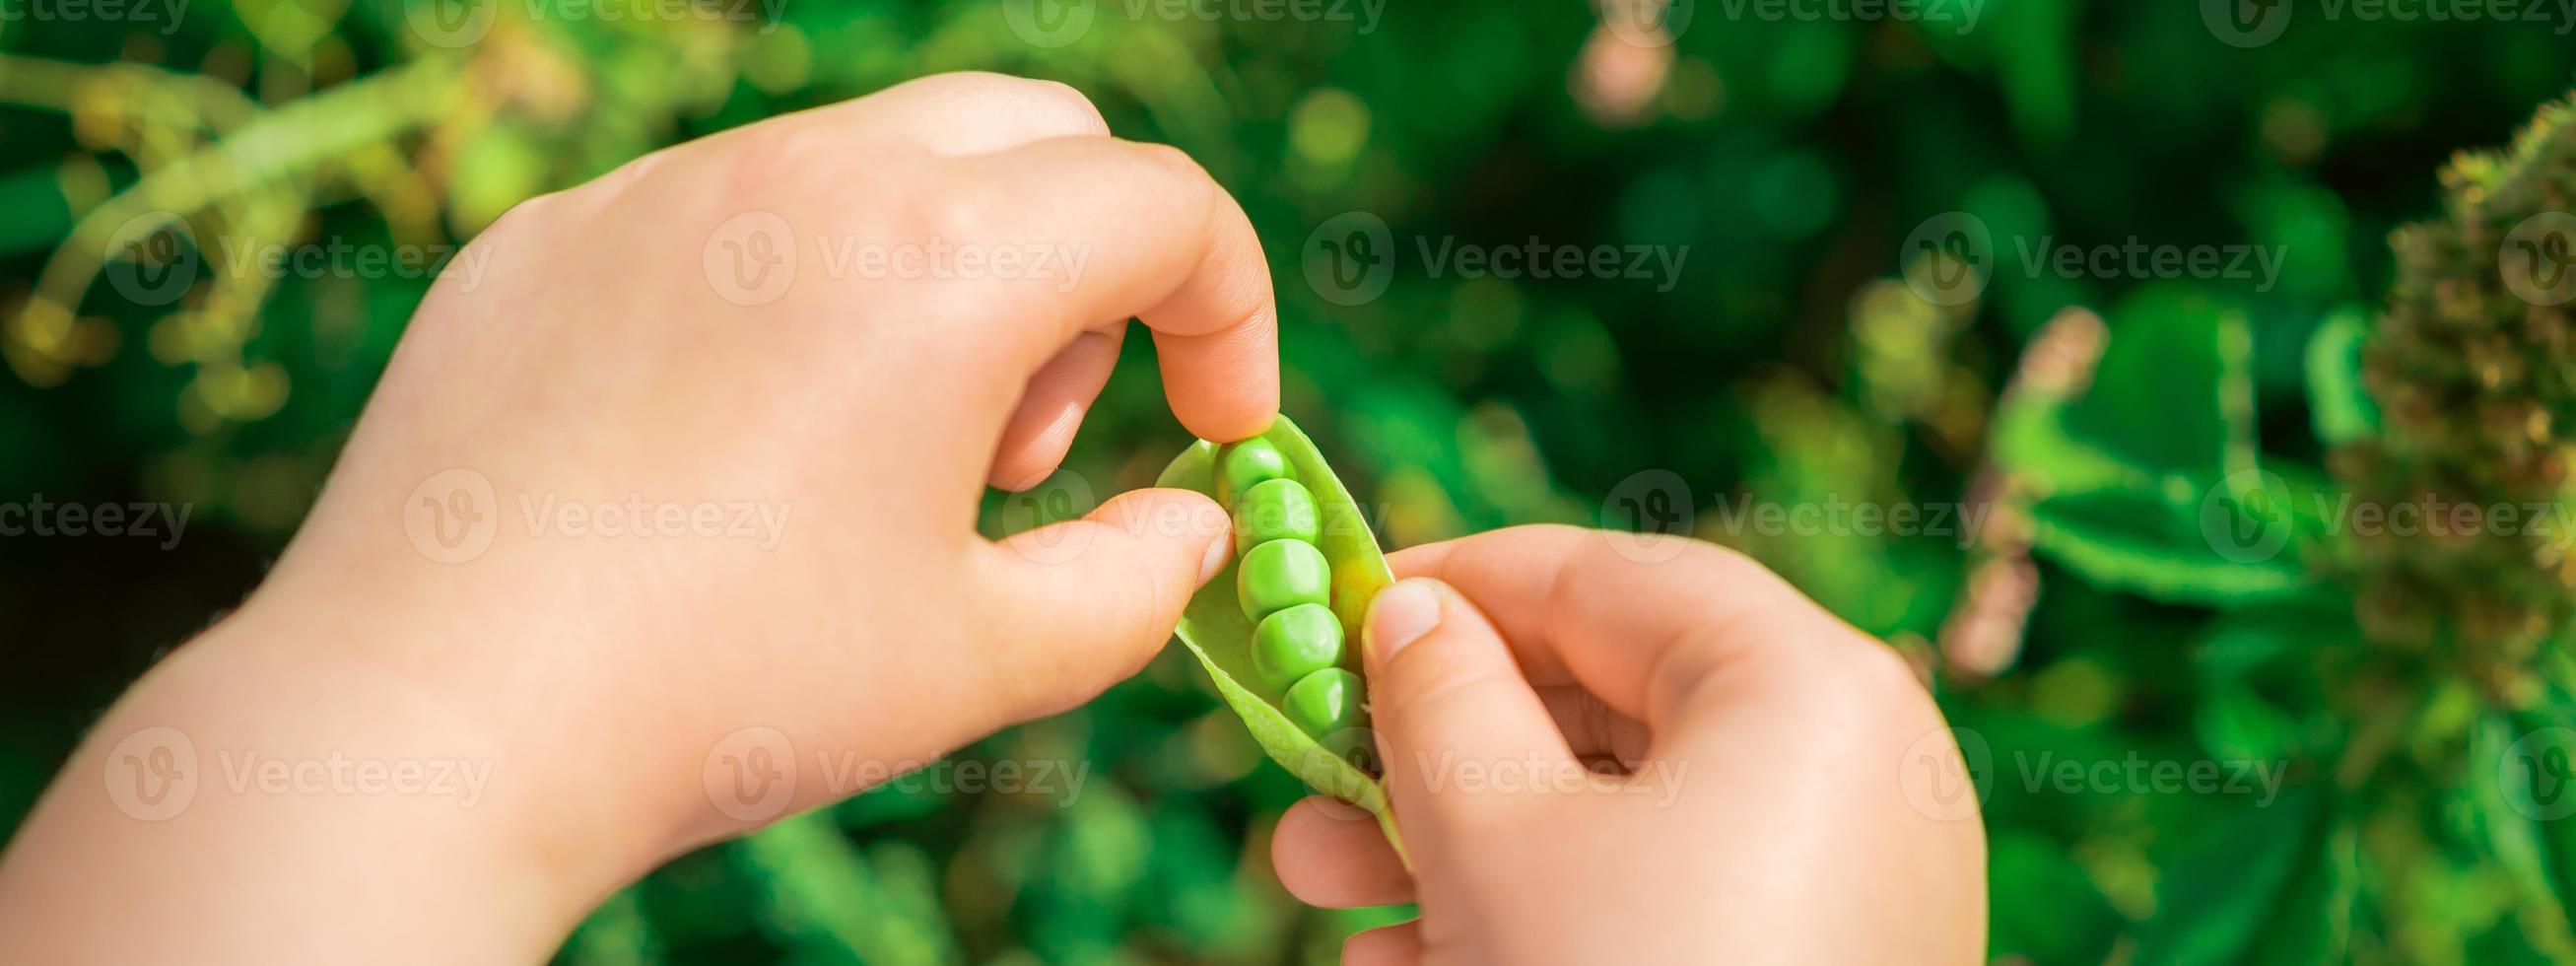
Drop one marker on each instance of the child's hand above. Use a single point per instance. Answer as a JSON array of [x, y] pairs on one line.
[[834, 328], [665, 517], [1766, 813]]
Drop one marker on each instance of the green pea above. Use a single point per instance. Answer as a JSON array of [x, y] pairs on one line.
[[1279, 575], [1324, 702], [1294, 643], [1244, 465], [1274, 510]]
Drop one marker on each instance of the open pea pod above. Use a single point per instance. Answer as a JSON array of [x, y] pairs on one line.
[[1215, 631]]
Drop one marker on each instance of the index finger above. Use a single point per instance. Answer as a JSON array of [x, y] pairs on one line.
[[1159, 240], [1646, 637], [1026, 239]]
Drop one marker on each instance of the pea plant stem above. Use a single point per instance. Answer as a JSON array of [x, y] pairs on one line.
[[284, 144]]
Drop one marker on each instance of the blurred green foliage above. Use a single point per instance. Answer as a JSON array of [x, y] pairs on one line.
[[2089, 420]]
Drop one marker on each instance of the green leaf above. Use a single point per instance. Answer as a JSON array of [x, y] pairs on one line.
[[2236, 724], [2171, 404], [2174, 392], [2510, 814], [2148, 544], [2033, 441], [2028, 871], [893, 802], [2314, 921], [826, 900], [1214, 630], [39, 215], [2338, 405], [2214, 903], [2546, 737], [2234, 650], [615, 934]]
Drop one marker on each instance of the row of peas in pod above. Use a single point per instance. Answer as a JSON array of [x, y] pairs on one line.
[[1285, 586]]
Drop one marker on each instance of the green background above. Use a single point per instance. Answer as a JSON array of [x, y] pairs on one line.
[[1783, 159]]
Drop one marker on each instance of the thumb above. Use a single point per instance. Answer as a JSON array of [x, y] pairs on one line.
[[1073, 607], [1462, 733]]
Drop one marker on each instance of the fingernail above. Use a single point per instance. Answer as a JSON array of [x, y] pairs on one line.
[[1400, 615], [1212, 520]]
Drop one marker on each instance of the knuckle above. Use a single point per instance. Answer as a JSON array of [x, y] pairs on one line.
[[525, 234], [522, 220], [1878, 677], [1856, 688], [1565, 533], [1168, 158], [1603, 548], [790, 153], [1047, 106], [1175, 170], [949, 207], [1724, 559], [966, 80], [623, 180], [1064, 102], [1725, 566]]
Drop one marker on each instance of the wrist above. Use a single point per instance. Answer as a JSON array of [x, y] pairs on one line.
[[263, 788], [364, 717]]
